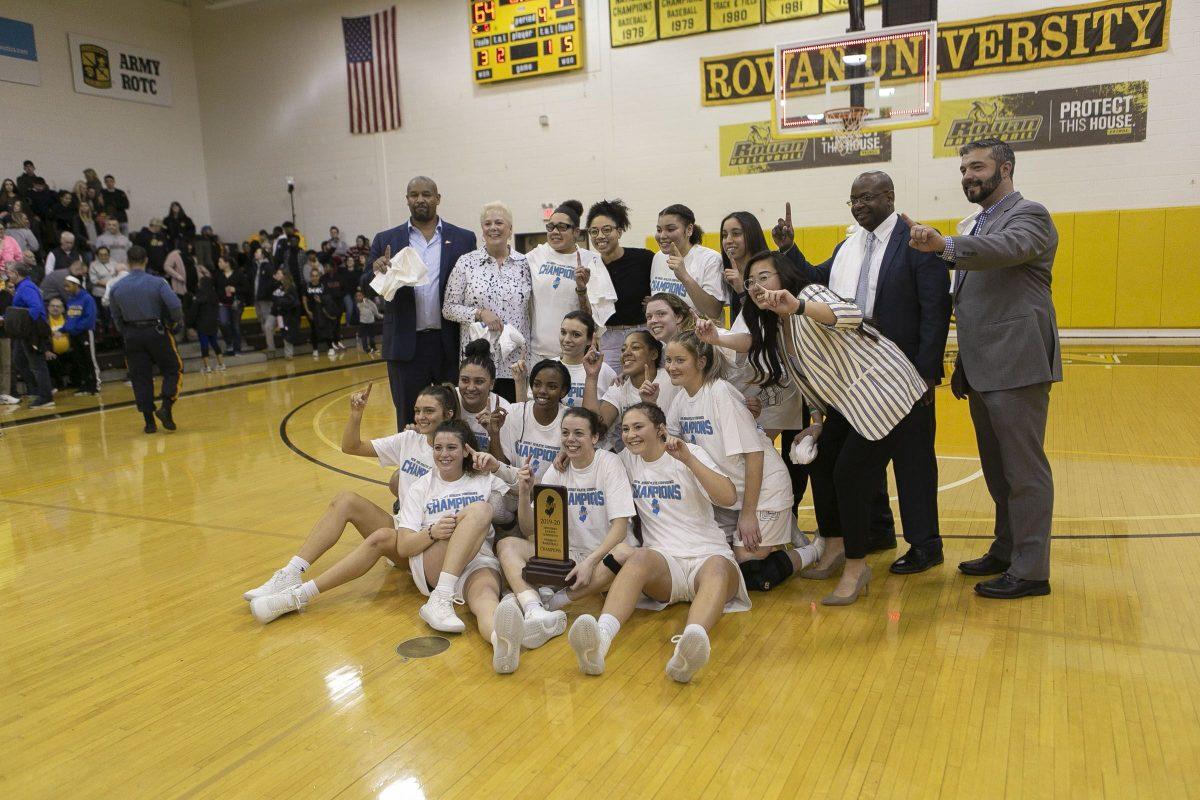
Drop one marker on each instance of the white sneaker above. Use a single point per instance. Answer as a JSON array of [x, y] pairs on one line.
[[316, 355], [691, 653], [220, 367], [438, 613], [332, 352], [282, 580], [506, 641], [206, 369], [273, 606], [590, 644], [541, 626], [9, 400]]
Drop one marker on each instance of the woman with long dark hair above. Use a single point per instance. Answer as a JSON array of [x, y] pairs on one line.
[[861, 390]]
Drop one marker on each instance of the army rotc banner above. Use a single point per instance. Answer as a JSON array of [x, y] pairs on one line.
[[1109, 113], [750, 147], [1029, 40], [120, 71]]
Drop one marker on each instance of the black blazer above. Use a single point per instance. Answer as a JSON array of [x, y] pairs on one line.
[[400, 315], [912, 299]]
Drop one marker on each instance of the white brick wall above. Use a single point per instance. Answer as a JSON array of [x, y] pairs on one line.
[[155, 152]]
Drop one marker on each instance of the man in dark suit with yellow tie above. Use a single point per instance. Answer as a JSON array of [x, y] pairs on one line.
[[1008, 358]]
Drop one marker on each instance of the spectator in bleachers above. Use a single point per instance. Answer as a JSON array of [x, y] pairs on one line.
[[232, 289], [27, 179], [64, 216], [8, 196], [62, 256], [10, 248], [52, 285], [340, 248], [320, 325], [205, 318], [86, 216], [93, 182], [264, 284], [116, 203], [117, 243], [18, 228], [80, 192], [101, 273], [179, 225], [6, 371], [41, 201], [368, 315], [157, 245], [361, 249], [80, 328], [355, 267], [183, 273]]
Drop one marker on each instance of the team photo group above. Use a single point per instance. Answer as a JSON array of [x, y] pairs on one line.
[[686, 401]]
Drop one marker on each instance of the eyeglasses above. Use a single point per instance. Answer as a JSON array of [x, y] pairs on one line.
[[755, 280], [562, 227], [607, 230], [863, 199]]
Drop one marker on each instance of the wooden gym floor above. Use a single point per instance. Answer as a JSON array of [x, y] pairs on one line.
[[132, 668]]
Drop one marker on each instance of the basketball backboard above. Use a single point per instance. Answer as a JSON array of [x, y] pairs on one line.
[[890, 73]]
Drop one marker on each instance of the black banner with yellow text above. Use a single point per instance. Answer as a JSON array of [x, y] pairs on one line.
[[1028, 40]]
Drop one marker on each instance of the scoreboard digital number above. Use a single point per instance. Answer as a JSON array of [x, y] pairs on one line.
[[525, 38]]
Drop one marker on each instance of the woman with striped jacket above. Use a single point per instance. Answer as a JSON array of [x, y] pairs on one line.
[[861, 390]]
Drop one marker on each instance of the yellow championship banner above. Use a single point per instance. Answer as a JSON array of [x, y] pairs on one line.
[[640, 21], [1028, 40]]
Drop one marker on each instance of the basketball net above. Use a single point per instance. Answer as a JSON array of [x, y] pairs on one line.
[[846, 124]]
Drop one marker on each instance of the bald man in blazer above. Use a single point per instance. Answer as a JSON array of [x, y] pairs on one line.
[[1008, 358]]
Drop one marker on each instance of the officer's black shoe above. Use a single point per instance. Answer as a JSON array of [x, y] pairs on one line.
[[164, 416], [150, 426]]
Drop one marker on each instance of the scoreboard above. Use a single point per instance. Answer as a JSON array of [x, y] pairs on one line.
[[524, 38]]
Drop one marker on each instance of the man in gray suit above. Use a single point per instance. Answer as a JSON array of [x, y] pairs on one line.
[[1008, 356]]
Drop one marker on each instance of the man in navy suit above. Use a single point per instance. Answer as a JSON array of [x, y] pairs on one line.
[[906, 297], [419, 346]]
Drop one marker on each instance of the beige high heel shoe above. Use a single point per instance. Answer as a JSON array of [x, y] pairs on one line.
[[815, 573], [860, 588]]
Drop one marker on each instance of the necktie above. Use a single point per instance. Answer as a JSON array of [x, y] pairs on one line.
[[864, 276]]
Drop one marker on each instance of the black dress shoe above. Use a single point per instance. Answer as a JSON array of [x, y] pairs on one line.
[[877, 544], [915, 561], [1006, 587], [988, 565], [164, 416]]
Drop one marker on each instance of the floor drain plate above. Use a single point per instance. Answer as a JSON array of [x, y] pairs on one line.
[[422, 647]]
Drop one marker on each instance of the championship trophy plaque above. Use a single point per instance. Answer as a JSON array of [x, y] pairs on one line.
[[550, 564]]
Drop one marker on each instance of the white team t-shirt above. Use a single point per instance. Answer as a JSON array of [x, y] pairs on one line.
[[579, 378], [410, 452], [716, 419], [596, 496], [521, 436], [494, 401], [433, 498], [702, 263], [675, 510], [554, 295]]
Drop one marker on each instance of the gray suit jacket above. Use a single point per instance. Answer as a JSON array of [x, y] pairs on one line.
[[1007, 331]]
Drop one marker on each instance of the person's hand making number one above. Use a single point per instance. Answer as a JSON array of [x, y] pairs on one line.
[[783, 233]]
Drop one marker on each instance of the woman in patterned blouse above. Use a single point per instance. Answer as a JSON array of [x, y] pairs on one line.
[[491, 285]]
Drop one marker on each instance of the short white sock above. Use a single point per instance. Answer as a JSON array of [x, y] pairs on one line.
[[608, 626], [808, 555], [298, 563], [529, 599], [309, 590], [696, 628], [558, 600], [446, 583]]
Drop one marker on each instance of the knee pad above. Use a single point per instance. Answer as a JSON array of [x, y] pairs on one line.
[[765, 574], [612, 563]]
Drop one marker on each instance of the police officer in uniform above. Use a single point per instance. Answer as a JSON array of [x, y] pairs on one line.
[[146, 312]]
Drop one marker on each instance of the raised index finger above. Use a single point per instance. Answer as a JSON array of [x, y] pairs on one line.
[[787, 213], [387, 253]]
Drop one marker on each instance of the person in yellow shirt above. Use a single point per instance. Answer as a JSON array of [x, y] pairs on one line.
[[60, 343]]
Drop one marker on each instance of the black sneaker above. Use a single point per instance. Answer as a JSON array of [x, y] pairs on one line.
[[164, 416]]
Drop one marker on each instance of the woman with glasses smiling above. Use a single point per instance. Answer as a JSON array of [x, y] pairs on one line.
[[629, 269], [565, 278]]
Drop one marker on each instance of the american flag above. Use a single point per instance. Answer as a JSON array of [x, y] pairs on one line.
[[372, 80]]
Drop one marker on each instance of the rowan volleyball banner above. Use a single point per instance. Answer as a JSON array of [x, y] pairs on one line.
[[1108, 113], [120, 71], [1028, 40], [749, 148]]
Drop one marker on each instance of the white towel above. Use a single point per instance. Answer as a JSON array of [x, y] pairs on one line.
[[804, 450], [843, 278], [601, 293], [406, 269], [505, 342]]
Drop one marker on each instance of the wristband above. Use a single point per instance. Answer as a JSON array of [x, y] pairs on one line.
[[581, 291], [429, 533]]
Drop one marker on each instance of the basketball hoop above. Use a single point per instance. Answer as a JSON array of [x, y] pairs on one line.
[[845, 123]]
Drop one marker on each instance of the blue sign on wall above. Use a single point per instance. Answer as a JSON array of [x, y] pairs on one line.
[[18, 53]]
